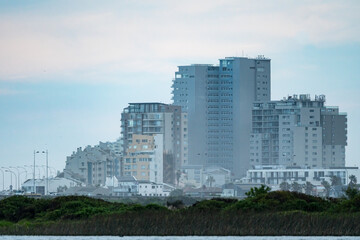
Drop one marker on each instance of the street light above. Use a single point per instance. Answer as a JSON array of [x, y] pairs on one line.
[[8, 170], [18, 179], [47, 181], [52, 169], [47, 172], [41, 168], [25, 172], [3, 188], [26, 176], [32, 169], [35, 152]]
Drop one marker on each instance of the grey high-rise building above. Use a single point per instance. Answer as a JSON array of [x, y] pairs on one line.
[[218, 100], [298, 131]]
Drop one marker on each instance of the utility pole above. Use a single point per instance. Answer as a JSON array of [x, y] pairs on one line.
[[47, 174]]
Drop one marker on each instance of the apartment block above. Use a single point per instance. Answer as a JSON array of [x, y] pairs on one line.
[[155, 119], [92, 165], [144, 158], [218, 102], [298, 131]]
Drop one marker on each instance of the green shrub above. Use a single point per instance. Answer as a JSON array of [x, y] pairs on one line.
[[209, 204]]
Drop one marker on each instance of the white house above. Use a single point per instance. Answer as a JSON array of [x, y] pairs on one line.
[[151, 189], [56, 185]]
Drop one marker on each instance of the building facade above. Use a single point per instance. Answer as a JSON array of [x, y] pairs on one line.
[[218, 101], [158, 119], [274, 176], [56, 185], [198, 176], [144, 158], [130, 186], [298, 131], [92, 165]]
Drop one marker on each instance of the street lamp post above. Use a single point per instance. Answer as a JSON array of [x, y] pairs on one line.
[[25, 172], [35, 152], [3, 187], [11, 172], [52, 169], [41, 168], [47, 172], [32, 169], [18, 177]]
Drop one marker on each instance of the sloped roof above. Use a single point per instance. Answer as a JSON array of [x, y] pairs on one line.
[[127, 179], [203, 190]]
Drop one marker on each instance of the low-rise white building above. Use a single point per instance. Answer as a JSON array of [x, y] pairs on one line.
[[56, 185], [130, 186], [127, 186], [274, 175], [197, 176], [151, 189]]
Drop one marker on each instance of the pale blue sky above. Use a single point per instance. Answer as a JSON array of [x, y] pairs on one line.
[[68, 68]]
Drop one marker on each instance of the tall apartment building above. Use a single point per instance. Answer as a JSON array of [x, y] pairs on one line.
[[218, 101], [154, 119], [298, 131], [92, 165], [144, 158], [116, 147]]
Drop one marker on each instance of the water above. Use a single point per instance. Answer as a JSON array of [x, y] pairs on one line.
[[169, 238]]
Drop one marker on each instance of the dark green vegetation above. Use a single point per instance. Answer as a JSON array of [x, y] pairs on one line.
[[261, 213]]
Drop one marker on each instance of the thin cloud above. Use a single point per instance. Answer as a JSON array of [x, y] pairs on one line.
[[7, 92], [42, 47]]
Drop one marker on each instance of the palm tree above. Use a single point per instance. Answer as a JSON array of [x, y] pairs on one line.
[[285, 186], [335, 181], [353, 181], [178, 175], [308, 186], [327, 187], [296, 187], [210, 180]]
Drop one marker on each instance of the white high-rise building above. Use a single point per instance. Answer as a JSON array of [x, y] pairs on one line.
[[298, 131]]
